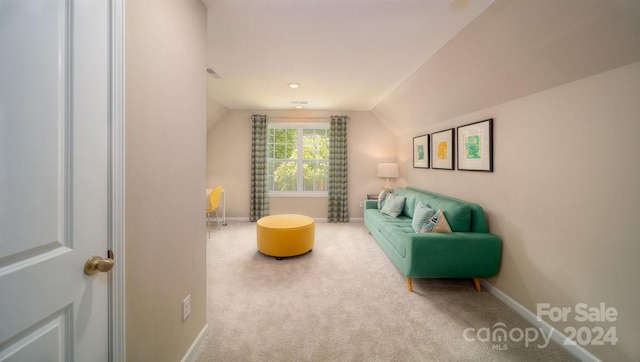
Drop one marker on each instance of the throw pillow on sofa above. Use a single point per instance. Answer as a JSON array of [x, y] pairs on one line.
[[421, 214], [436, 224], [382, 197], [393, 205]]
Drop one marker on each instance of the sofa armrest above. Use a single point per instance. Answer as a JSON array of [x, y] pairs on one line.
[[454, 255], [370, 204]]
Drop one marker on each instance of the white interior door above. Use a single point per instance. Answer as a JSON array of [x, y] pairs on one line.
[[54, 122]]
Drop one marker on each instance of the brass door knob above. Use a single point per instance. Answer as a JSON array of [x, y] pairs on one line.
[[98, 264]]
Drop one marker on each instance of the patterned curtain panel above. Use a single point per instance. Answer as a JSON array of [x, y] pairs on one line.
[[259, 198], [338, 205]]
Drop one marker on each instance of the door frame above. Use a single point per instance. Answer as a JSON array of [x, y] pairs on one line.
[[116, 313]]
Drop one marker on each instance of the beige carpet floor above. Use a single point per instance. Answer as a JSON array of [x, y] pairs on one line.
[[346, 301]]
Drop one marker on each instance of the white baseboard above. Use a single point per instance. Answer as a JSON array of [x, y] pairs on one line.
[[580, 352], [237, 219], [190, 355]]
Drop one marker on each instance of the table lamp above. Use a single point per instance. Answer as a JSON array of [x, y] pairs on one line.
[[388, 170]]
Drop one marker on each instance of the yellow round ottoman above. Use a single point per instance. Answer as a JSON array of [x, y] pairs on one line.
[[285, 235]]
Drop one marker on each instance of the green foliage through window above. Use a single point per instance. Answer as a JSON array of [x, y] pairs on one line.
[[292, 148]]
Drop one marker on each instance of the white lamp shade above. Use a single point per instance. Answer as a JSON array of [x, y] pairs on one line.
[[388, 170]]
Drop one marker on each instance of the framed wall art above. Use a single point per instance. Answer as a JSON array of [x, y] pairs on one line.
[[475, 146], [442, 150], [421, 151]]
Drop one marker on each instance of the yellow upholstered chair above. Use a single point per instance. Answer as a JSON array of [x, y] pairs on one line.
[[214, 204]]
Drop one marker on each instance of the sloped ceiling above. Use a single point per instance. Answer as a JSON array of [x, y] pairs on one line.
[[346, 54], [513, 49], [508, 49]]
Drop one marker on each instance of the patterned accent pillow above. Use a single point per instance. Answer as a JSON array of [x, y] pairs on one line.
[[393, 205], [420, 215], [382, 197], [436, 224]]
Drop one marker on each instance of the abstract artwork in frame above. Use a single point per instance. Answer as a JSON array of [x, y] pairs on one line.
[[421, 151], [442, 150], [475, 146]]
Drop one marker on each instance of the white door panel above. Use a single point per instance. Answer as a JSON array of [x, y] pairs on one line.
[[31, 76], [54, 102]]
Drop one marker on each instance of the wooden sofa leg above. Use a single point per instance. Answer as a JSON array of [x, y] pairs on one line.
[[476, 282], [409, 285]]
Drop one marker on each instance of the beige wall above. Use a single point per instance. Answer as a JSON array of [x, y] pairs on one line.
[[165, 126], [229, 155], [564, 198]]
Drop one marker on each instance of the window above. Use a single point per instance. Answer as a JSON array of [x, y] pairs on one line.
[[297, 158]]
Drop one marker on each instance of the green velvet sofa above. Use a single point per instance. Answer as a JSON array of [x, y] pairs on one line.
[[469, 251]]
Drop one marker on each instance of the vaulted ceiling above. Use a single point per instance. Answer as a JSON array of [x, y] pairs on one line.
[[411, 62], [513, 49], [345, 54]]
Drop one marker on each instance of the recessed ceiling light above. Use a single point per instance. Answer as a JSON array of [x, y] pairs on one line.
[[294, 85], [299, 107]]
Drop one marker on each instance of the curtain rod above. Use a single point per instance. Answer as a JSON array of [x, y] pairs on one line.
[[298, 118], [289, 117]]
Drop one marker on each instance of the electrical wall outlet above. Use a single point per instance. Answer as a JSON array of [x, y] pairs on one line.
[[361, 203], [186, 307]]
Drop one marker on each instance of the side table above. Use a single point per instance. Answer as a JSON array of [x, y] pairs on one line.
[[372, 196]]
